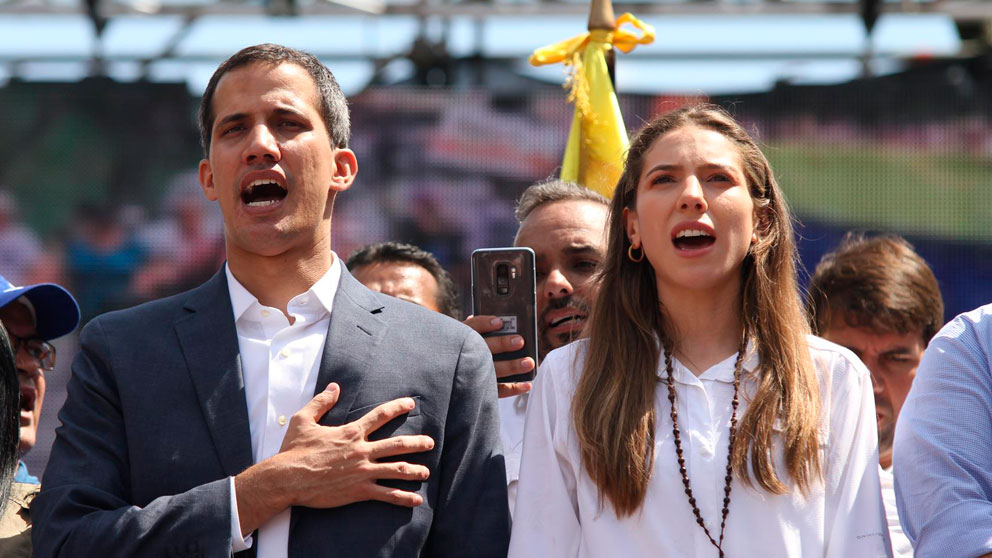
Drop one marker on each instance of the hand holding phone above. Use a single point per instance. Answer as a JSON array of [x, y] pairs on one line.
[[504, 286]]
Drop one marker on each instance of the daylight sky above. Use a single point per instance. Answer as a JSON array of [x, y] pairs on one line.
[[692, 54]]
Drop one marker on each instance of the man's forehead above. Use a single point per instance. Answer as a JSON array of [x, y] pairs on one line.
[[870, 336], [18, 317], [560, 225], [280, 84]]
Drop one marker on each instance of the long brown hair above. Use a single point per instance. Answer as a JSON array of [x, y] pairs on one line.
[[613, 407]]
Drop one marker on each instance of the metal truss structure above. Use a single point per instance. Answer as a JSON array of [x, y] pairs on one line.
[[972, 18]]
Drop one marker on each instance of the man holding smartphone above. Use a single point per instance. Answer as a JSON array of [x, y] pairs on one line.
[[564, 224]]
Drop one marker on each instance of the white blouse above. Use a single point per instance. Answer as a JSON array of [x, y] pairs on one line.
[[558, 512]]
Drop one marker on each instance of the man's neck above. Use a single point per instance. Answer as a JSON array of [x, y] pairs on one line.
[[275, 280], [885, 459], [707, 324]]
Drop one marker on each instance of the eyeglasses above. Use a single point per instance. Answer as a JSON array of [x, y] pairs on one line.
[[39, 349]]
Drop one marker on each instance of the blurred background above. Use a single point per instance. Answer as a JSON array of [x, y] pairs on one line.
[[875, 116]]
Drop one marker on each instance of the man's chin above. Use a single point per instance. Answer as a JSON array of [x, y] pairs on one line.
[[25, 445]]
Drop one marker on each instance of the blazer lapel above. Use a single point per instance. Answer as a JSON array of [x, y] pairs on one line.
[[209, 343], [352, 336]]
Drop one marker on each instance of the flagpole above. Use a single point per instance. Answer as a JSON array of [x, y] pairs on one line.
[[601, 16], [597, 140]]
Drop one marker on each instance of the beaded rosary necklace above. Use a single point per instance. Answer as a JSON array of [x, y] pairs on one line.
[[681, 457]]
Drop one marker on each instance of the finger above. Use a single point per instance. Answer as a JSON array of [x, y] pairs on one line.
[[499, 344], [374, 419], [512, 389], [506, 368], [395, 496], [484, 324], [400, 445], [401, 471], [322, 402]]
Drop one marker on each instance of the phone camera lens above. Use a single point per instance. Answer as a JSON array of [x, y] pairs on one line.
[[502, 279]]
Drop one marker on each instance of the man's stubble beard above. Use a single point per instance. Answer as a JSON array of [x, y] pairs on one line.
[[548, 342]]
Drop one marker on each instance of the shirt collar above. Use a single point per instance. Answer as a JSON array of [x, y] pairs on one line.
[[722, 371], [323, 290]]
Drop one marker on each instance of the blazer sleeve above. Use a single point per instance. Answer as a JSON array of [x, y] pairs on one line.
[[472, 515], [85, 507]]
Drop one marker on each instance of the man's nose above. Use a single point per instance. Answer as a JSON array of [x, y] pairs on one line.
[[556, 285], [262, 145], [28, 367], [876, 383]]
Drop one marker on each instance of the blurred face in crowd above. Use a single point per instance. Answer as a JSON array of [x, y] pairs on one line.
[[271, 166], [892, 359], [694, 216], [405, 280], [569, 245], [18, 320]]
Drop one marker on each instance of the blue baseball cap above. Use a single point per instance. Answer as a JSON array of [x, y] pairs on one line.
[[56, 312]]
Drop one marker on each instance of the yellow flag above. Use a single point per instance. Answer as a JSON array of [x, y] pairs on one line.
[[597, 141]]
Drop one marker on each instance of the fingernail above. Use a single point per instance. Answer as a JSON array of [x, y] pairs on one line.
[[331, 387], [430, 443], [517, 341], [496, 322]]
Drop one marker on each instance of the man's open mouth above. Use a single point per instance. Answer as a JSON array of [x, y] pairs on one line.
[[693, 239], [573, 318], [28, 395], [263, 192]]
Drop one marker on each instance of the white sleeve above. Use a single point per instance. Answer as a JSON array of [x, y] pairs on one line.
[[545, 520], [238, 543], [855, 523]]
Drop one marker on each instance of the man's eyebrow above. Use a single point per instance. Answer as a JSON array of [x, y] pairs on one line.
[[231, 118], [581, 249], [898, 351], [281, 111], [288, 111]]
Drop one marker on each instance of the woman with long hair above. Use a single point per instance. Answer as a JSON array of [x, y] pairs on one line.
[[699, 418]]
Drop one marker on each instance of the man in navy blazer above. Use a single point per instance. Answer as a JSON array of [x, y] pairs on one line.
[[281, 408]]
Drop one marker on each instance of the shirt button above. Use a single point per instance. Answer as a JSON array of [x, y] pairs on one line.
[[283, 353], [265, 313], [282, 420]]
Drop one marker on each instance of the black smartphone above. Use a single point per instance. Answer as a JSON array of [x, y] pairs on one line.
[[504, 285]]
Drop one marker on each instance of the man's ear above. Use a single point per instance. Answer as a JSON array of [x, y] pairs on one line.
[[632, 226], [207, 180], [345, 169]]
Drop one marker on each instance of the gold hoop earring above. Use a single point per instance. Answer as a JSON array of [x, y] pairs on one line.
[[630, 254]]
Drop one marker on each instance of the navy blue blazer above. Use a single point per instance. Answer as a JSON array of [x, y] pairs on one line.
[[156, 421]]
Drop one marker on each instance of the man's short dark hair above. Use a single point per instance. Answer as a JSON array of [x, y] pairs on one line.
[[554, 190], [333, 105], [396, 252], [879, 283]]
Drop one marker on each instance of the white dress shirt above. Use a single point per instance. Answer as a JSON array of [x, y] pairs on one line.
[[901, 547], [558, 510], [512, 412], [280, 362]]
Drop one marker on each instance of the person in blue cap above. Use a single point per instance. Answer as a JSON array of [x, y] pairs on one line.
[[33, 315]]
